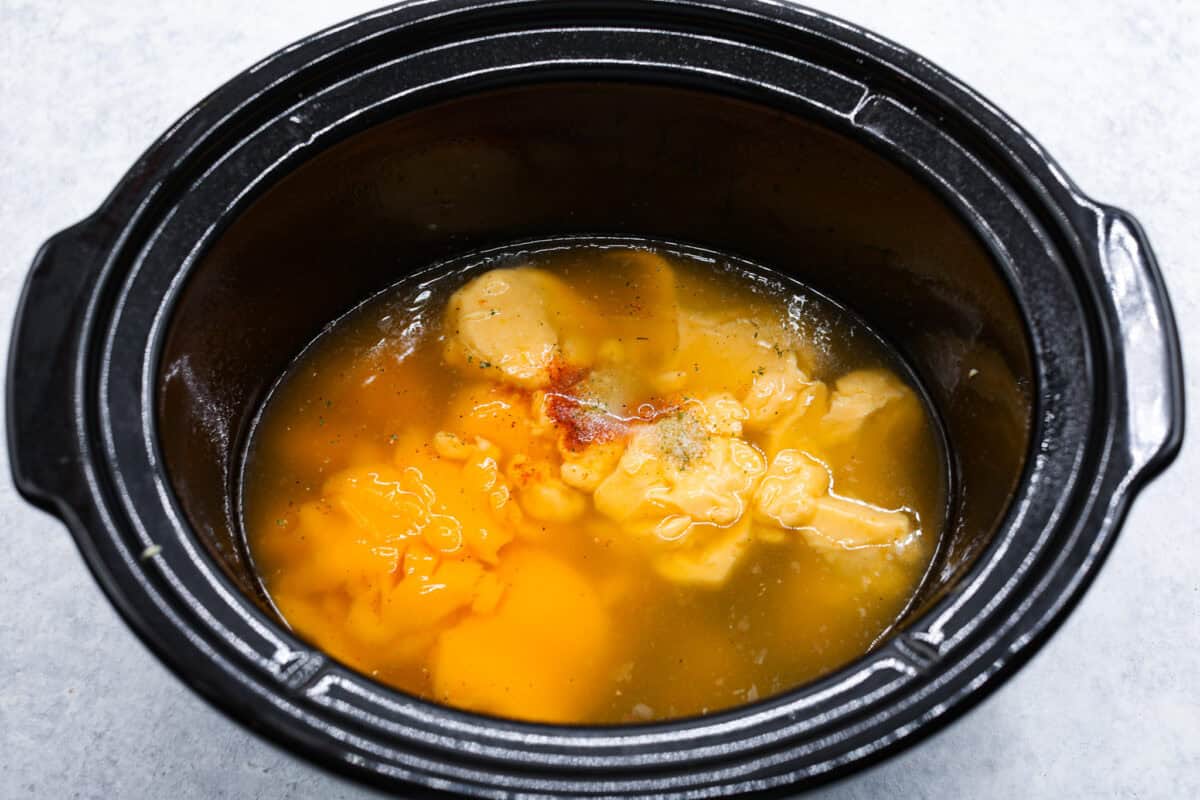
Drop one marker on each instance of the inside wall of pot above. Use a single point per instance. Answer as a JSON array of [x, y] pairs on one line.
[[617, 159]]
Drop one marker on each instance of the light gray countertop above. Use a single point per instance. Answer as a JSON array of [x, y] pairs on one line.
[[1109, 708]]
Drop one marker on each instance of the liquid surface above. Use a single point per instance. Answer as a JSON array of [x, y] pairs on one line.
[[594, 484]]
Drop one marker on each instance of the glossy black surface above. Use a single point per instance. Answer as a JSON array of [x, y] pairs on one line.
[[148, 332]]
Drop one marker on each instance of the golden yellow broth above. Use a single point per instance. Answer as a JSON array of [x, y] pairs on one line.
[[405, 503]]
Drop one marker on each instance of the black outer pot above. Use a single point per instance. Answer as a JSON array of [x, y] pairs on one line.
[[95, 388]]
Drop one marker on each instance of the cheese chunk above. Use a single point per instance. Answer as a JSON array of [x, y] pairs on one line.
[[539, 656]]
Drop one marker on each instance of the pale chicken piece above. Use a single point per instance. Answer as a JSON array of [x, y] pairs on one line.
[[513, 323], [874, 422], [643, 313], [774, 394], [796, 494], [724, 350], [874, 546], [685, 468], [710, 562], [840, 523], [681, 484], [787, 496], [724, 415], [861, 395], [638, 329], [798, 425], [866, 404]]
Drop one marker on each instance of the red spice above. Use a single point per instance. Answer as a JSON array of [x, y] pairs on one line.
[[563, 376], [583, 424], [583, 421]]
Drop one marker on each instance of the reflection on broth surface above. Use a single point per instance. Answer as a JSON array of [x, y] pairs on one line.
[[594, 483]]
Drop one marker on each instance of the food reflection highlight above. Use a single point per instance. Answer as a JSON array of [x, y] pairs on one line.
[[595, 485]]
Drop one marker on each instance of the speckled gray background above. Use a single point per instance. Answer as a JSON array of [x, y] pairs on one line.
[[1110, 707]]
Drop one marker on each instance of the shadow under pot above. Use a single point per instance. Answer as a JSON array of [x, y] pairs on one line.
[[1033, 322]]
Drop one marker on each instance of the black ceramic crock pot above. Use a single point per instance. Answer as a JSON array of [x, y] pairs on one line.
[[1035, 318]]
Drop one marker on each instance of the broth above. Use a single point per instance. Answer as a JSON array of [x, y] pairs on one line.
[[594, 483]]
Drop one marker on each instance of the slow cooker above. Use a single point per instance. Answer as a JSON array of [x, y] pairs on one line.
[[149, 333]]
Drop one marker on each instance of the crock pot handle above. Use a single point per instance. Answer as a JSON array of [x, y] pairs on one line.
[[1149, 355], [43, 443]]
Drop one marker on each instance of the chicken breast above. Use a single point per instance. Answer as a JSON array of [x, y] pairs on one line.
[[681, 483], [774, 394], [861, 395], [514, 323], [796, 494], [642, 311]]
